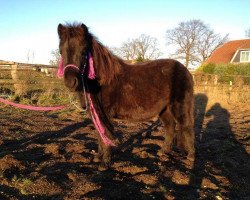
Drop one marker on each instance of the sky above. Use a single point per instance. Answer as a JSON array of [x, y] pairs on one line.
[[28, 28]]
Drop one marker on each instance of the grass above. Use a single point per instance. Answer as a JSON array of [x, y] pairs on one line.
[[225, 94], [21, 183], [33, 87]]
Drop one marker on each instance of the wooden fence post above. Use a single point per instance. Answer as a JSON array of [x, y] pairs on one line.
[[19, 86]]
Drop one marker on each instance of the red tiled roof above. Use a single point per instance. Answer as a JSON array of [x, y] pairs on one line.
[[225, 53]]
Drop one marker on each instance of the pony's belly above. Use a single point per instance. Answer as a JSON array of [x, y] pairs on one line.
[[139, 113]]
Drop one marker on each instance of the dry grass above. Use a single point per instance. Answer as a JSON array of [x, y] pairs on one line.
[[225, 94], [37, 88]]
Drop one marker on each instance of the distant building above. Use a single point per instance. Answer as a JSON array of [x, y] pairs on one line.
[[47, 69], [6, 64], [236, 51]]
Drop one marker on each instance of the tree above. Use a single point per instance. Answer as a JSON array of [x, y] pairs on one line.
[[147, 47], [55, 57], [194, 41], [127, 50], [247, 32], [30, 56], [208, 42], [142, 48]]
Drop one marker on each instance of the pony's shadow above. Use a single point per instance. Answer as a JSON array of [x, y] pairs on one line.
[[218, 153]]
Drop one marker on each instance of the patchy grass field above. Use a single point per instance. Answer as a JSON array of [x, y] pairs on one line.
[[49, 155]]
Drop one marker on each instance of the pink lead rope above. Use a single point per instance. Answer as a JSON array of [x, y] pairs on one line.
[[97, 122], [29, 107], [95, 117]]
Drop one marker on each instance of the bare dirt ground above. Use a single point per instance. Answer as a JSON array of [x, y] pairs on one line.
[[49, 155]]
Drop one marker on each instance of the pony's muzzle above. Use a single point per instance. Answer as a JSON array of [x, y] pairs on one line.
[[72, 78]]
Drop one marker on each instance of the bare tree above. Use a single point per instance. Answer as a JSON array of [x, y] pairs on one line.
[[247, 32], [127, 50], [28, 56], [207, 43], [147, 47], [55, 57], [33, 56], [144, 47], [194, 41]]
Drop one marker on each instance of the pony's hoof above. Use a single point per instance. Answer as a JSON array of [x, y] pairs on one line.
[[191, 157], [161, 153], [96, 159], [163, 156], [104, 166], [164, 150]]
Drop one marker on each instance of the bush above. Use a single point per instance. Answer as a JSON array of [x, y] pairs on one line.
[[208, 68], [227, 72], [225, 69]]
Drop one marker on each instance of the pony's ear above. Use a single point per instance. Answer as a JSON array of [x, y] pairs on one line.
[[60, 30], [84, 28]]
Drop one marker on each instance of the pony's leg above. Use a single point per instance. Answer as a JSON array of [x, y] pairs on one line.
[[169, 125], [107, 157], [185, 134], [99, 155], [188, 141], [104, 153]]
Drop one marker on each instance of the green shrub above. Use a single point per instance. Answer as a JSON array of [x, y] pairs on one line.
[[208, 68], [227, 72], [225, 69], [243, 69]]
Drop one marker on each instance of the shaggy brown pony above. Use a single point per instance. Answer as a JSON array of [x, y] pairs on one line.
[[162, 88]]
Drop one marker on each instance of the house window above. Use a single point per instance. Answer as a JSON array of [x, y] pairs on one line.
[[245, 56]]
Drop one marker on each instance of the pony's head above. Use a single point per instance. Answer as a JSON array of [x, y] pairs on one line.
[[75, 45], [75, 42]]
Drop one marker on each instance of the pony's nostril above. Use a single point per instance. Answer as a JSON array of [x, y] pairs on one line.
[[71, 83], [75, 83]]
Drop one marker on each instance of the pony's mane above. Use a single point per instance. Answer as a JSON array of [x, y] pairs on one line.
[[108, 64]]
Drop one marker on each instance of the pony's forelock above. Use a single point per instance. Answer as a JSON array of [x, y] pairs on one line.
[[74, 29]]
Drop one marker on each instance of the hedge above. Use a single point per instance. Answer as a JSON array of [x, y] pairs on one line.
[[225, 69], [227, 72]]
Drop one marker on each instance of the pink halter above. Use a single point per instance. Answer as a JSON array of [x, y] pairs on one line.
[[91, 74]]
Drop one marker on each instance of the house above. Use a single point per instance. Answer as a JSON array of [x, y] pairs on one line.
[[236, 51]]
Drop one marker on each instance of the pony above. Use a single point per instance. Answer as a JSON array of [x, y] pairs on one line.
[[160, 88]]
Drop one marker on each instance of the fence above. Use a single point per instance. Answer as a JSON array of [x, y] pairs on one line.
[[36, 87]]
